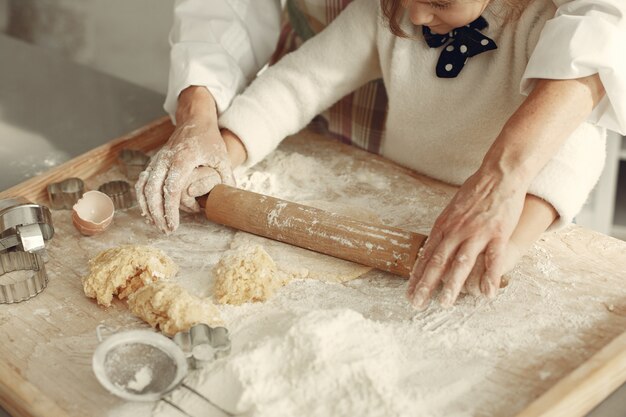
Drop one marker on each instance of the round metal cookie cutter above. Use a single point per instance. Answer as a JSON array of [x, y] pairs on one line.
[[138, 365], [15, 290], [24, 225]]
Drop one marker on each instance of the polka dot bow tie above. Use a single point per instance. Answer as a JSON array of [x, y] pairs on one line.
[[459, 45]]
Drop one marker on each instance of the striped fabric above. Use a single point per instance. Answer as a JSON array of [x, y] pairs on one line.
[[359, 117]]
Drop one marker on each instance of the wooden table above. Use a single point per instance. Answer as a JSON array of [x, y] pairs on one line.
[[45, 357]]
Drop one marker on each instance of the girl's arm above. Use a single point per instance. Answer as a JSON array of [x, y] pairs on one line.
[[482, 216], [537, 215], [286, 96]]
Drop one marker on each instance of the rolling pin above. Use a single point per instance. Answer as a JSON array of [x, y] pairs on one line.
[[386, 248]]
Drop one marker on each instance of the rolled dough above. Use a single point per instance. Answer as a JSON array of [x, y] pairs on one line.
[[123, 270], [170, 307]]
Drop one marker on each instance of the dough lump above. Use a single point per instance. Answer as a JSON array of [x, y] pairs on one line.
[[246, 274], [170, 307], [123, 270]]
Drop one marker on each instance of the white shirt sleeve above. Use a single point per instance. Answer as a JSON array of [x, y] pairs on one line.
[[220, 44], [584, 38], [286, 96]]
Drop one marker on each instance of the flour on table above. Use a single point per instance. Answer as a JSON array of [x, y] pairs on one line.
[[170, 307], [246, 274], [123, 270]]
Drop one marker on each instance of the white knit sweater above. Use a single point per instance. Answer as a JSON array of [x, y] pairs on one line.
[[438, 127]]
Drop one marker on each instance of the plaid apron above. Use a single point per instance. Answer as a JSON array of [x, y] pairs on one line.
[[359, 117]]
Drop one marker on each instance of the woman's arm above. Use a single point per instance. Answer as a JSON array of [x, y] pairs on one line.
[[219, 46], [482, 216], [286, 96], [584, 38]]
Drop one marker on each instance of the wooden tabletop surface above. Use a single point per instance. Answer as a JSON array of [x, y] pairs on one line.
[[45, 357]]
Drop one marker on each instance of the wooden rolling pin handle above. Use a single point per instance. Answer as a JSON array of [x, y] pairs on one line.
[[385, 248]]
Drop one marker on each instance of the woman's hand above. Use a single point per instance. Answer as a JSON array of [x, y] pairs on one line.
[[470, 240], [190, 164]]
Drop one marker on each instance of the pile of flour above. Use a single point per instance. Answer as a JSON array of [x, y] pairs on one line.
[[328, 363]]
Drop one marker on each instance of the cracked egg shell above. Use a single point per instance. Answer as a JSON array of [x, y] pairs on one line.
[[93, 213]]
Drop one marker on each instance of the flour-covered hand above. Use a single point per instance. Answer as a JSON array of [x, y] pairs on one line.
[[190, 164], [470, 239]]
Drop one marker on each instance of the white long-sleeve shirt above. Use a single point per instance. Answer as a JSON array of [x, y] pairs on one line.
[[437, 126], [223, 45], [220, 44]]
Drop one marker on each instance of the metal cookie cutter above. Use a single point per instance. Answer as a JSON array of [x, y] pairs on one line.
[[21, 288], [64, 194], [132, 162], [120, 193], [24, 225], [203, 343]]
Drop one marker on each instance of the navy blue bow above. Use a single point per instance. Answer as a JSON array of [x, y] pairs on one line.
[[459, 45]]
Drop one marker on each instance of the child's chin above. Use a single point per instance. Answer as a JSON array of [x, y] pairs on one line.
[[440, 30]]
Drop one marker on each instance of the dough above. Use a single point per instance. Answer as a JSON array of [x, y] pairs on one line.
[[246, 274], [256, 267], [123, 270], [298, 263], [170, 307]]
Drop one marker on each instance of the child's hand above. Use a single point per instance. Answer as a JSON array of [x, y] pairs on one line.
[[477, 223], [193, 161], [190, 164], [512, 255]]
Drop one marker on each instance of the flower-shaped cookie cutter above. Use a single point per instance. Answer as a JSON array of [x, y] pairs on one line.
[[203, 343], [120, 192], [63, 195], [132, 162]]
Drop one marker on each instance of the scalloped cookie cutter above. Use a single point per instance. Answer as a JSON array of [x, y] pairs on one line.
[[120, 192], [64, 194], [132, 162], [22, 289]]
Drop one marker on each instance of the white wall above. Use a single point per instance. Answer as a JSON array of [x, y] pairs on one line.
[[129, 39], [4, 12], [124, 38]]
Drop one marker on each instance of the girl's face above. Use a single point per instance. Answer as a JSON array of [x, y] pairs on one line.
[[441, 16]]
